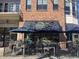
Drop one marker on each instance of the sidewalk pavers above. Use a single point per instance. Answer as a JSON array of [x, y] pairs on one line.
[[35, 57], [1, 51]]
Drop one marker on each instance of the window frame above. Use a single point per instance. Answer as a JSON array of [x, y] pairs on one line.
[[6, 9], [16, 7], [42, 5], [67, 7], [28, 9], [1, 7], [55, 5], [11, 6], [74, 9]]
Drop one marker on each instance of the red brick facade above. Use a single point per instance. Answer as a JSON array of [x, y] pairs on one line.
[[49, 15]]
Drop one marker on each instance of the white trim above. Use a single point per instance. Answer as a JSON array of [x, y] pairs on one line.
[[14, 7], [8, 12]]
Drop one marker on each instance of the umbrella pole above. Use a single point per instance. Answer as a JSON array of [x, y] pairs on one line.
[[28, 46], [24, 50], [4, 42], [10, 40], [24, 46]]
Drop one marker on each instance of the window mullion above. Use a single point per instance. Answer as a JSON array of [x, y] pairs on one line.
[[42, 4]]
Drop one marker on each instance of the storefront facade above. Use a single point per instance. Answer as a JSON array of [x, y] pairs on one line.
[[43, 11]]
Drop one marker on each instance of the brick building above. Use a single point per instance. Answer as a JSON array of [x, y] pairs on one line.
[[41, 12], [34, 14]]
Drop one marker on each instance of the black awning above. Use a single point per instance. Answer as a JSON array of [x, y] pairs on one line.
[[74, 30], [43, 26]]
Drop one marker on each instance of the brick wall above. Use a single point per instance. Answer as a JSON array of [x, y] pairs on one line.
[[49, 15]]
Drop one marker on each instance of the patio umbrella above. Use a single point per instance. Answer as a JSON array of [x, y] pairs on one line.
[[22, 30], [48, 31]]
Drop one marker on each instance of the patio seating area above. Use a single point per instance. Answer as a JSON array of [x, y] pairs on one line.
[[21, 49], [42, 43]]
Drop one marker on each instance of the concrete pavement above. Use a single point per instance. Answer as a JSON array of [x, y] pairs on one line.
[[1, 51], [19, 57], [35, 57], [31, 57], [65, 57]]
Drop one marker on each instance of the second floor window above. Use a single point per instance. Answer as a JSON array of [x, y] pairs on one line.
[[11, 7], [41, 4], [67, 7], [17, 7], [6, 7], [28, 5], [1, 7], [55, 4], [74, 8]]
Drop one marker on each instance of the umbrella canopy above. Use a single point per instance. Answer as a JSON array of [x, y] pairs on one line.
[[22, 30], [74, 30]]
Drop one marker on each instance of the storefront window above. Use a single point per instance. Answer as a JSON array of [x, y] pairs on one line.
[[5, 36], [75, 36]]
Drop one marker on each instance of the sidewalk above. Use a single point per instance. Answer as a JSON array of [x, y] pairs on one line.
[[35, 57], [1, 51], [19, 57], [31, 57], [64, 57]]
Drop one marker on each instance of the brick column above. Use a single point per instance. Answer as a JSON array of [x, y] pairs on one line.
[[62, 40], [20, 36]]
